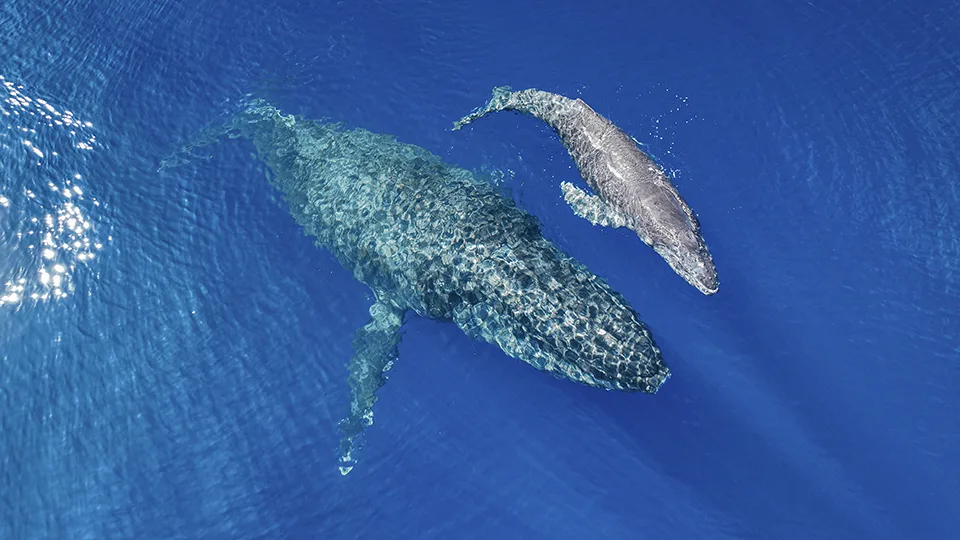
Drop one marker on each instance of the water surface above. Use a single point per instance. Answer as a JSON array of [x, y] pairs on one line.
[[179, 373]]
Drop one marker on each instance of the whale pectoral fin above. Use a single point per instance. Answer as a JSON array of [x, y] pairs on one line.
[[591, 207], [375, 349]]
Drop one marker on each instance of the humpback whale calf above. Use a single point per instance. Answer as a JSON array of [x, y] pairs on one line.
[[431, 239], [633, 191]]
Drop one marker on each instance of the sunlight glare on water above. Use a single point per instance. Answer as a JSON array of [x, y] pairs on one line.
[[49, 230]]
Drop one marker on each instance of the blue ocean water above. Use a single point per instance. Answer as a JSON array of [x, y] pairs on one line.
[[173, 347]]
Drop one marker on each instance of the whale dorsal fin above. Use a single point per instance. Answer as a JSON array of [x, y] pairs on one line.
[[374, 350], [592, 208]]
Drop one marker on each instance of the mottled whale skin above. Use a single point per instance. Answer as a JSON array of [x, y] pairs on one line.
[[632, 190], [432, 239]]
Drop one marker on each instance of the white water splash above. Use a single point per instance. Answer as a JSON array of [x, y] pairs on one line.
[[47, 234]]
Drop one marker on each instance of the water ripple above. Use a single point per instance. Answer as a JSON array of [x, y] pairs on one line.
[[49, 233]]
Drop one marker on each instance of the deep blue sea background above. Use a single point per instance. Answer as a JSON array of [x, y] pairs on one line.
[[189, 382]]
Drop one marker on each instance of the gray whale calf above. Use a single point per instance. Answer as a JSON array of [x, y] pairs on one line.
[[633, 191], [431, 239]]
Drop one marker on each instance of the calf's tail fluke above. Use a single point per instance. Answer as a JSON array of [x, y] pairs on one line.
[[503, 99]]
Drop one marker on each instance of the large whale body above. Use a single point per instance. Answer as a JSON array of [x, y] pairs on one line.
[[633, 191], [432, 239]]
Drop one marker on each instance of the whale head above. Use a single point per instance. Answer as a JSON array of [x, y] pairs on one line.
[[688, 256], [665, 222], [548, 310]]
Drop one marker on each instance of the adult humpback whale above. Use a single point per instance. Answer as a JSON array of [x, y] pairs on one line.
[[430, 238], [632, 190]]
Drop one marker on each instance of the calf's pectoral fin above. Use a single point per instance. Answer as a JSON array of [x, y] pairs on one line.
[[374, 350], [592, 208]]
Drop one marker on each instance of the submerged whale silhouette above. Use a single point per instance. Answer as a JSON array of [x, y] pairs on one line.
[[432, 239], [633, 191]]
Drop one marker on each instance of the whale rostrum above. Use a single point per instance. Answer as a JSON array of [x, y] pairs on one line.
[[632, 190]]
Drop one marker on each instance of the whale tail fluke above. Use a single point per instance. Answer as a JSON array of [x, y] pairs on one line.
[[502, 99], [239, 120]]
